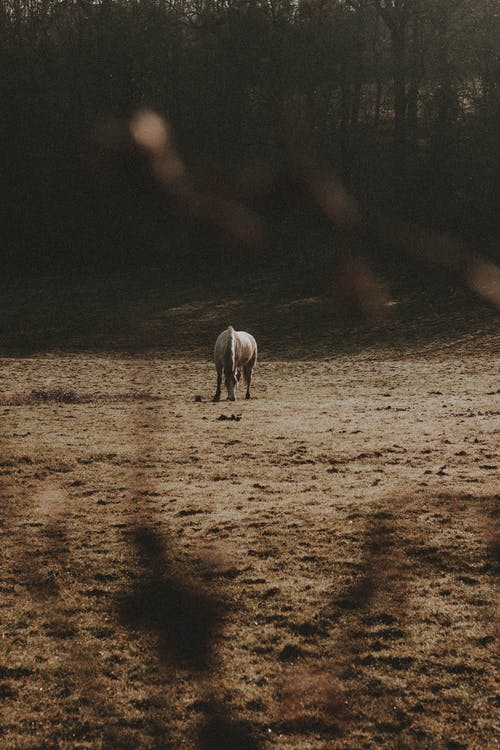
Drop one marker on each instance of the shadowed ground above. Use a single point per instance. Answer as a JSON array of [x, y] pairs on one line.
[[149, 310]]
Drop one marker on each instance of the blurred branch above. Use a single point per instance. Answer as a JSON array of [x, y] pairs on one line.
[[152, 133], [356, 282]]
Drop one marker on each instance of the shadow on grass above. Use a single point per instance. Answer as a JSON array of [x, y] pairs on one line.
[[184, 617]]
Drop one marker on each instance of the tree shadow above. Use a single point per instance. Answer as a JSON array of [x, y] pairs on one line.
[[164, 600]]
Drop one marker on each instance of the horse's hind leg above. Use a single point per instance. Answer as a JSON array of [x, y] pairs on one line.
[[247, 372], [219, 384], [247, 375]]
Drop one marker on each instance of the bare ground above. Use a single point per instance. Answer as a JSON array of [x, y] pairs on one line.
[[309, 569]]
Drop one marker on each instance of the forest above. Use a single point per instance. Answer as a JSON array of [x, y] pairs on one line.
[[396, 100]]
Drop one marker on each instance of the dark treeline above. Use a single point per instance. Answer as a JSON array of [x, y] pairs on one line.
[[402, 98]]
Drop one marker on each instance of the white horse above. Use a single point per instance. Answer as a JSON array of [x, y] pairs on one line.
[[236, 354]]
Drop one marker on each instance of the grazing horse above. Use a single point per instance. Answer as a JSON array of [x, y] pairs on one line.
[[236, 354]]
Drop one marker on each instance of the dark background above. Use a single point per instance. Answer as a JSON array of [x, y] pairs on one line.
[[401, 98]]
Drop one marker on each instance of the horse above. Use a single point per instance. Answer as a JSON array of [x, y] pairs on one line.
[[236, 354]]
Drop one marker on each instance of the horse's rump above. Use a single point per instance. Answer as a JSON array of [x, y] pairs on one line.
[[246, 348], [233, 349], [245, 354]]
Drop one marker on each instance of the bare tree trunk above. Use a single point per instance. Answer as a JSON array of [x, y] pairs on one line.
[[400, 96], [415, 74], [378, 102], [396, 16]]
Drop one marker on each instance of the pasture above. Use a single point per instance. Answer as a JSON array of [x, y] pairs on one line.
[[309, 569]]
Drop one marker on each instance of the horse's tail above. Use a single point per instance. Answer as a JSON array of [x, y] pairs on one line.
[[230, 351]]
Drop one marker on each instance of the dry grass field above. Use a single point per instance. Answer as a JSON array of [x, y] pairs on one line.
[[310, 569]]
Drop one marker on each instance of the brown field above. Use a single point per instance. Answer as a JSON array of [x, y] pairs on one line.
[[317, 572]]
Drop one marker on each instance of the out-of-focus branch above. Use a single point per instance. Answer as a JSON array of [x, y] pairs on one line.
[[482, 276], [356, 282], [152, 133]]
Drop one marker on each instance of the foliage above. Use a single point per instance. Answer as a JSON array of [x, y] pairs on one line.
[[402, 97]]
